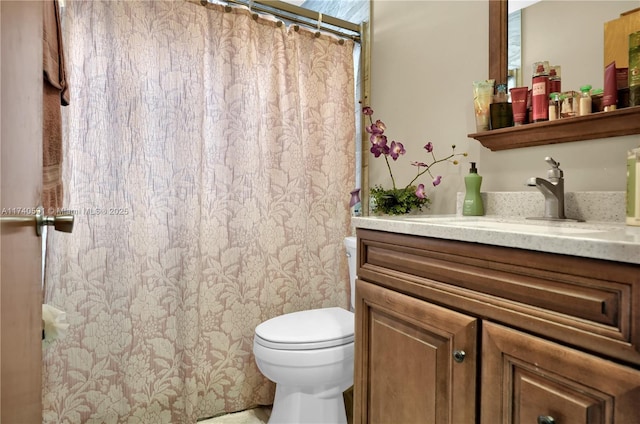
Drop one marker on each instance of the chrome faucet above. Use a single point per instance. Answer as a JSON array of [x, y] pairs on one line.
[[552, 189]]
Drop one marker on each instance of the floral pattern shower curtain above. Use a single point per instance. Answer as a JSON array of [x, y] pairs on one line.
[[209, 159]]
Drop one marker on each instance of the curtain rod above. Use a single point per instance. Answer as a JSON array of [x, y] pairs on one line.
[[294, 13]]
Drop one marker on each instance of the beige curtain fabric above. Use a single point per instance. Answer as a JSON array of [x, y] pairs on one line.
[[211, 160]]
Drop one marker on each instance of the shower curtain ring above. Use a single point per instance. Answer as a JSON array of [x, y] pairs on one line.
[[254, 15], [319, 24]]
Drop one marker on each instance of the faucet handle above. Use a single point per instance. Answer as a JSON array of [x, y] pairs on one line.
[[555, 172], [552, 162]]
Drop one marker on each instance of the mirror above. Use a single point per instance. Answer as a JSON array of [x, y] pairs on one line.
[[580, 71], [498, 30]]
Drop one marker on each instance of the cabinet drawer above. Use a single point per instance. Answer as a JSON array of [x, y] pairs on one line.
[[583, 302], [537, 378]]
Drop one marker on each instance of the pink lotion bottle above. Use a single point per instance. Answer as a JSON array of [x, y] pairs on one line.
[[540, 91]]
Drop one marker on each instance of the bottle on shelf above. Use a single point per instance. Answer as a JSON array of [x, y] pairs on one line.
[[596, 100], [555, 82], [501, 113], [585, 100], [570, 104], [555, 104], [540, 91]]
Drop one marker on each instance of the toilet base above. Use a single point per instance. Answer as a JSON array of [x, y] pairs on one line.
[[292, 405]]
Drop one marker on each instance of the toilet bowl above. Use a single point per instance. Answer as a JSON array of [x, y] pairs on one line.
[[310, 356]]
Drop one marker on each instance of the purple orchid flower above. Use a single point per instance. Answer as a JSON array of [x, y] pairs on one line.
[[378, 140], [437, 180], [396, 150], [379, 145], [376, 128], [367, 111], [355, 197], [420, 191], [428, 147]]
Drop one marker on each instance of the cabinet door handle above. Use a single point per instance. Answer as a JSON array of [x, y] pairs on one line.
[[458, 355], [546, 419]]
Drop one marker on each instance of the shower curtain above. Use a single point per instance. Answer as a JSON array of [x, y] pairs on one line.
[[209, 160]]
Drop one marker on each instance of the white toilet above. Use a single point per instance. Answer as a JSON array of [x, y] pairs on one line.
[[309, 355]]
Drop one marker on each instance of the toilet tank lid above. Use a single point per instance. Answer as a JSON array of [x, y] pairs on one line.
[[310, 326], [350, 242]]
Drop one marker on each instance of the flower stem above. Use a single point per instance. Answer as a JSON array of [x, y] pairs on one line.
[[393, 181], [427, 169]]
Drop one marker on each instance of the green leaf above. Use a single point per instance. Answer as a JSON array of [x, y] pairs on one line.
[[397, 201]]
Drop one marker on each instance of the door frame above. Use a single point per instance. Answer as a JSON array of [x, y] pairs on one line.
[[21, 184]]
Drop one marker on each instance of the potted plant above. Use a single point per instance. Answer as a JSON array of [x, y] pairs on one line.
[[404, 199]]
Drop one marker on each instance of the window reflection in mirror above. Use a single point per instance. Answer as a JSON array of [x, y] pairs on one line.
[[514, 59], [514, 37]]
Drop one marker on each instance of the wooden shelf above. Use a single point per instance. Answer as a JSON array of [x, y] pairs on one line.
[[597, 125]]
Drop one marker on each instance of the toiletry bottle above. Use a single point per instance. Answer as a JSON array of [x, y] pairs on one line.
[[554, 106], [540, 91], [555, 83], [596, 100], [472, 205], [501, 113], [482, 98], [585, 100], [519, 105]]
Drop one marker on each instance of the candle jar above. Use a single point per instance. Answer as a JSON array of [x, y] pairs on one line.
[[570, 104]]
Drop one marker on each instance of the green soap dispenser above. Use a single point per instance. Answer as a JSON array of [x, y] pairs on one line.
[[472, 205]]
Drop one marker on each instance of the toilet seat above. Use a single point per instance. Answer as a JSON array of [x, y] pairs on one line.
[[306, 330]]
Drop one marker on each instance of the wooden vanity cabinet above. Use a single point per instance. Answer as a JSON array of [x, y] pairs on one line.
[[526, 377], [407, 345], [456, 332]]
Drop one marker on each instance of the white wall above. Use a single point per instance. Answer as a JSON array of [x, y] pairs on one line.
[[425, 56]]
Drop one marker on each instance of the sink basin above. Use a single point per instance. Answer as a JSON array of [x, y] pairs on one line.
[[514, 225], [526, 228]]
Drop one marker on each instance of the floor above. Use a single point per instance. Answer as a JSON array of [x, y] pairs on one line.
[[261, 415], [250, 416]]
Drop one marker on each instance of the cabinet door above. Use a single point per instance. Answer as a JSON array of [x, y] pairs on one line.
[[415, 361], [525, 377]]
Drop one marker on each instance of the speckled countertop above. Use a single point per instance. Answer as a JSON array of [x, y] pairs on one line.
[[610, 240]]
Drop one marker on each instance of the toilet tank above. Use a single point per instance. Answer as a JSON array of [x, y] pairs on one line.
[[352, 256]]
